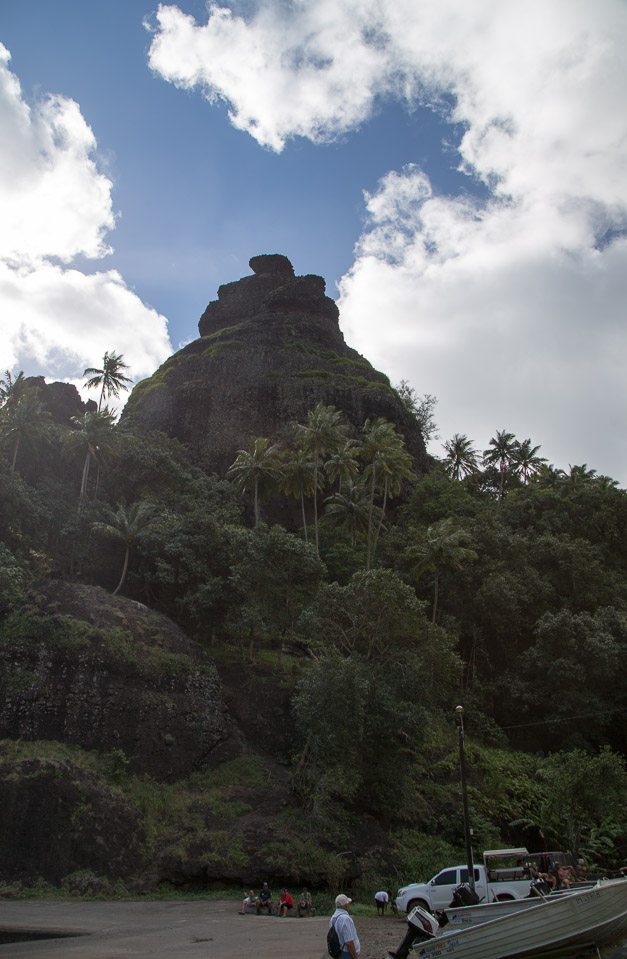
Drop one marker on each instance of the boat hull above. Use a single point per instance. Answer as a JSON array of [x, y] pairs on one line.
[[584, 920]]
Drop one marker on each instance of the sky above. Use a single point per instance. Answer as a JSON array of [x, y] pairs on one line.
[[457, 172]]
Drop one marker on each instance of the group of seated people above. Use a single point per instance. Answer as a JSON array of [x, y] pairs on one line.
[[558, 875], [284, 905]]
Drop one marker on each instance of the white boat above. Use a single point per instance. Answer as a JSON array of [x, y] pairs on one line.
[[460, 917], [557, 926]]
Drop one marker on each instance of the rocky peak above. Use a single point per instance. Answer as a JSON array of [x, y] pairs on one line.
[[270, 349], [272, 289]]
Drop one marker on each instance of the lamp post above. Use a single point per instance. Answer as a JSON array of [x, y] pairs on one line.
[[462, 770]]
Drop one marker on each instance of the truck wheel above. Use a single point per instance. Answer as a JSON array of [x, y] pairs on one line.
[[504, 898], [417, 902]]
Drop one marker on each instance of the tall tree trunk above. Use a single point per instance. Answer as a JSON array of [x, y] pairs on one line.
[[369, 533], [302, 506], [84, 479], [435, 595], [124, 568], [315, 499], [380, 523], [17, 446]]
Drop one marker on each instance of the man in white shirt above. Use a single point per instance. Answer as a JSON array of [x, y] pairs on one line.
[[345, 928], [381, 900]]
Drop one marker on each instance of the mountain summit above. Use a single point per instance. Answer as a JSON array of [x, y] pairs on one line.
[[270, 349]]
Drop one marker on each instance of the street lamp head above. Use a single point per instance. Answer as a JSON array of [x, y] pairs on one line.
[[459, 709]]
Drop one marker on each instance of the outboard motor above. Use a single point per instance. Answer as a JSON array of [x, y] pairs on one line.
[[539, 887], [464, 896], [421, 927]]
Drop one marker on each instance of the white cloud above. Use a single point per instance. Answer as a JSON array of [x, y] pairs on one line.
[[56, 205], [510, 310]]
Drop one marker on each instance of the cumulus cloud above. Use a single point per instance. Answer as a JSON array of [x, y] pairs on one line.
[[57, 206], [510, 308]]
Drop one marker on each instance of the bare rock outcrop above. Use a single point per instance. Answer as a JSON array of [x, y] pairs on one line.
[[270, 349], [106, 673]]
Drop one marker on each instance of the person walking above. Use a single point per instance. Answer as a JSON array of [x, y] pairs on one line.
[[345, 928]]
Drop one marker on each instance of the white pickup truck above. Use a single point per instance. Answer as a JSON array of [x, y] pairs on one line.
[[504, 874]]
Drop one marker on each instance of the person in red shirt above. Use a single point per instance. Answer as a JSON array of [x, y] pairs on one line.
[[285, 903]]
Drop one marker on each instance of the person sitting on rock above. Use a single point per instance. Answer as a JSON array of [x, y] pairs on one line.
[[285, 904], [249, 900], [264, 900], [304, 903]]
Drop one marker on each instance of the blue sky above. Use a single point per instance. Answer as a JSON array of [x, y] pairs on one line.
[[456, 173]]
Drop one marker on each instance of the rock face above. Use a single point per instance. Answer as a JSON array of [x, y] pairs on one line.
[[105, 673], [62, 400], [58, 818], [270, 349]]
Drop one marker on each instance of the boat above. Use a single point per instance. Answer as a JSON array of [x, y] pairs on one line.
[[460, 917], [566, 925]]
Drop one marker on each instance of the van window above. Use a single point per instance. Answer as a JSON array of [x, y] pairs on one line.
[[464, 873], [446, 878]]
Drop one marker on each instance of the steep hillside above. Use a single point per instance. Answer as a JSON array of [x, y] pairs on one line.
[[270, 349]]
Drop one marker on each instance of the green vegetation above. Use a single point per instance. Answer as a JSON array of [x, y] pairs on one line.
[[496, 581]]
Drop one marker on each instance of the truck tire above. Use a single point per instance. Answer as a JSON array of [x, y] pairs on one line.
[[417, 902], [505, 897]]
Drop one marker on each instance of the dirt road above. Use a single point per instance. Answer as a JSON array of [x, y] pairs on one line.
[[181, 930]]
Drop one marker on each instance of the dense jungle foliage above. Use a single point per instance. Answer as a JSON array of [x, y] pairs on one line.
[[495, 581]]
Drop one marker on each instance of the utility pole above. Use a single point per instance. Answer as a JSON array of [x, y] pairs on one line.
[[462, 770]]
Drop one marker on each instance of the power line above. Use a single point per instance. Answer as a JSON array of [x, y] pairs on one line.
[[567, 719]]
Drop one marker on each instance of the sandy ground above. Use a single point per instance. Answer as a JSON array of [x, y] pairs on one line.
[[192, 930]]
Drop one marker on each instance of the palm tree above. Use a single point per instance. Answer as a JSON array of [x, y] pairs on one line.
[[126, 526], [501, 455], [13, 390], [257, 469], [342, 464], [527, 460], [93, 435], [322, 432], [350, 509], [388, 463], [110, 377], [461, 458], [298, 479], [444, 544], [23, 421]]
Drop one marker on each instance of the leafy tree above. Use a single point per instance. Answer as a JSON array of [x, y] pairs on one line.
[[387, 464], [12, 391], [422, 407], [342, 464], [572, 781], [92, 435], [444, 544], [110, 377], [126, 526], [299, 477], [461, 458], [502, 455], [23, 422], [527, 461], [273, 574], [257, 469], [350, 509], [323, 432], [376, 615]]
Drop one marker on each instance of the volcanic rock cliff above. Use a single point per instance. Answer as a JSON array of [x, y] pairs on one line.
[[270, 349]]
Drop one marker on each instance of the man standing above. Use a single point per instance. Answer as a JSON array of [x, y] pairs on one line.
[[345, 928]]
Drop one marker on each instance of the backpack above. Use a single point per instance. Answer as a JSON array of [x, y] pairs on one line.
[[333, 943]]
